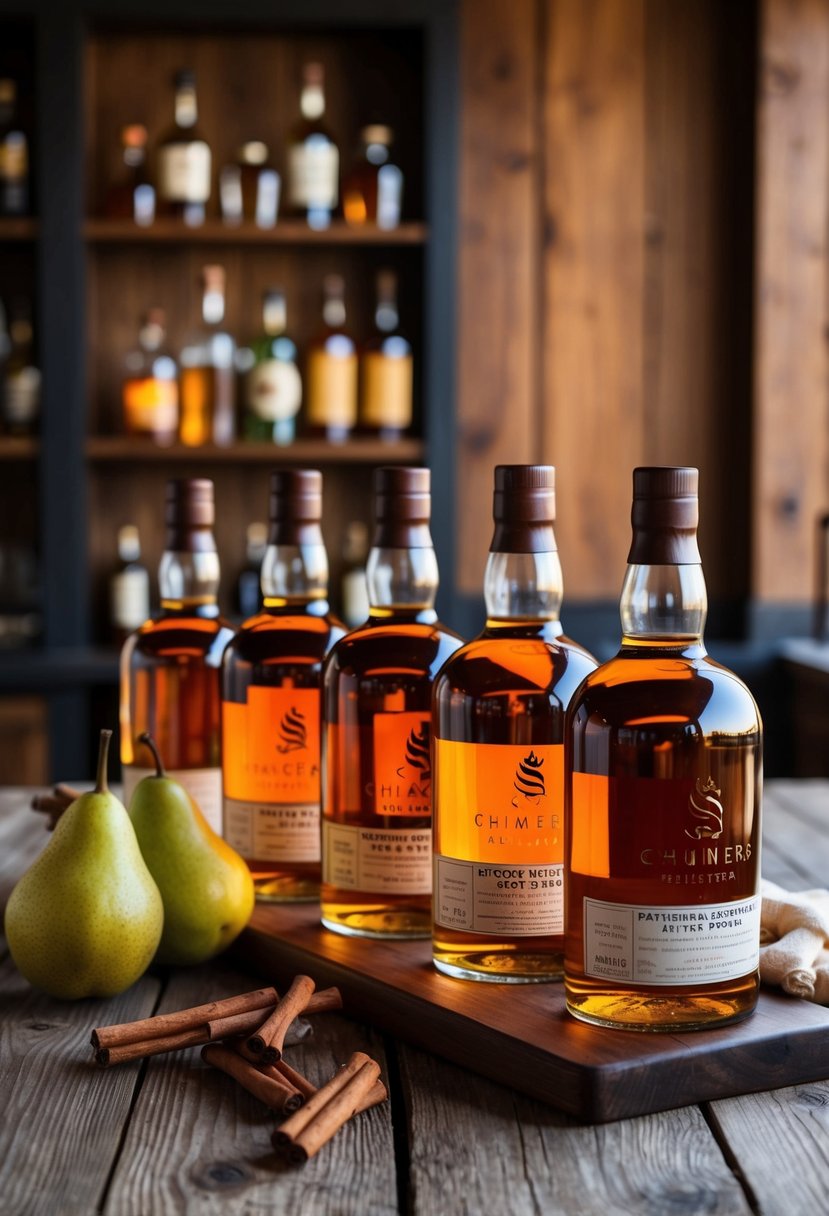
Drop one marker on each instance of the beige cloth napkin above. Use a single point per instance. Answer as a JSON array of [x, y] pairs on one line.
[[794, 941]]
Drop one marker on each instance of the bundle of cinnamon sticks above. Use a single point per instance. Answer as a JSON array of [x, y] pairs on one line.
[[243, 1036]]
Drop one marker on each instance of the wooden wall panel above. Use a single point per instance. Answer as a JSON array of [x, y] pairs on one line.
[[791, 448], [498, 263]]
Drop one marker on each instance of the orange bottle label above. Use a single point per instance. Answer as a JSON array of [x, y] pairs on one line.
[[271, 746], [402, 765]]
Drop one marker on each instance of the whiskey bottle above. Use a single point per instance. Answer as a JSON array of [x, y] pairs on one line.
[[663, 780], [373, 190], [184, 161], [129, 588], [271, 700], [21, 390], [149, 392], [376, 832], [170, 681], [14, 154], [386, 380], [272, 384], [331, 379], [207, 371], [313, 157], [498, 726], [132, 197]]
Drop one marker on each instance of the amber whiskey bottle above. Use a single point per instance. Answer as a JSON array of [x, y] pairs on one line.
[[170, 667], [498, 782], [271, 676], [663, 791], [377, 688]]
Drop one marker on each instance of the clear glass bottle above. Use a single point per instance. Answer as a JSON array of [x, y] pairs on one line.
[[184, 160], [313, 156], [149, 392], [663, 791], [170, 681], [331, 377], [498, 738], [387, 369], [207, 406], [272, 383], [248, 584], [354, 583], [377, 690], [373, 190], [271, 700], [129, 588]]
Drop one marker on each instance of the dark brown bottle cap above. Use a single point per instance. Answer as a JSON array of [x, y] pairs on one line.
[[402, 507], [524, 508], [664, 515], [295, 506], [189, 514]]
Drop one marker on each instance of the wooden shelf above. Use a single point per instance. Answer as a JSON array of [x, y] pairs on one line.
[[286, 232], [127, 450], [17, 228], [22, 447]]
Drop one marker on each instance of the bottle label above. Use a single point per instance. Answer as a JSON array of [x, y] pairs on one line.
[[204, 785], [332, 388], [387, 390], [267, 832], [313, 170], [273, 390], [184, 172], [671, 944], [151, 406], [402, 765], [379, 861], [130, 599], [271, 747], [498, 811]]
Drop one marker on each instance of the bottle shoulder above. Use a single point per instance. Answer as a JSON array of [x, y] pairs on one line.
[[269, 635], [514, 661], [169, 636], [378, 645]]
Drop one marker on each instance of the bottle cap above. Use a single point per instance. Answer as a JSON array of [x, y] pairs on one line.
[[377, 133], [664, 516], [189, 514], [254, 152], [134, 135], [185, 79], [402, 507], [296, 494], [524, 508]]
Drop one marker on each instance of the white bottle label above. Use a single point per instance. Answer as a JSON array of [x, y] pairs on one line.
[[184, 172], [267, 832], [273, 390], [313, 172], [380, 861], [671, 945], [204, 785], [511, 899]]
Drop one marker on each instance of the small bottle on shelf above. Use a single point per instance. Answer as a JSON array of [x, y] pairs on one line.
[[663, 789], [14, 154], [377, 692], [21, 388], [313, 158], [250, 188], [150, 389], [272, 384], [354, 582], [386, 371], [129, 588], [498, 726], [133, 197], [207, 372], [331, 380], [248, 588], [373, 190], [271, 700], [170, 683], [184, 161]]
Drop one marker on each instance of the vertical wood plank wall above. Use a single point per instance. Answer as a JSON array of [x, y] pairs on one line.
[[628, 242]]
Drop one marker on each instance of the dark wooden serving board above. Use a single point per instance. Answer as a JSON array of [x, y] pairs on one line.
[[522, 1036]]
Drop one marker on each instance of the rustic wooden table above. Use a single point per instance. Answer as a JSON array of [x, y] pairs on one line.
[[169, 1135]]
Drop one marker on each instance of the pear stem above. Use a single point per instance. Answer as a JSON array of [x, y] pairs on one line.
[[149, 742], [101, 786]]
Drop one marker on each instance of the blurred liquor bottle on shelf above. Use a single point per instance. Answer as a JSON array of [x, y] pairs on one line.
[[373, 189], [331, 380], [132, 197], [21, 619], [184, 162], [21, 385], [170, 668], [207, 371], [129, 587], [248, 588], [313, 158], [272, 385], [354, 583], [386, 373], [249, 190], [150, 388], [14, 154]]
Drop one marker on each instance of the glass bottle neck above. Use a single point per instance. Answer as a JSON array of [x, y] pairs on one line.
[[186, 108], [189, 581], [295, 575], [523, 587], [213, 306], [402, 579], [663, 604], [312, 102]]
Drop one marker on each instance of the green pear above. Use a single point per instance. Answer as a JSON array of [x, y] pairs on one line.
[[86, 918], [206, 886]]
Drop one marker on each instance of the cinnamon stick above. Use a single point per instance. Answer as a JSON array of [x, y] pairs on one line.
[[292, 1077], [165, 1024], [269, 1039], [285, 1134], [107, 1056], [277, 1094], [303, 1136]]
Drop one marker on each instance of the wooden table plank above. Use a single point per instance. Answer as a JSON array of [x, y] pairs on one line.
[[198, 1142]]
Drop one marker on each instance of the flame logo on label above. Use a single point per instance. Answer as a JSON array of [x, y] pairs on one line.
[[706, 807], [529, 779], [417, 752], [292, 732]]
